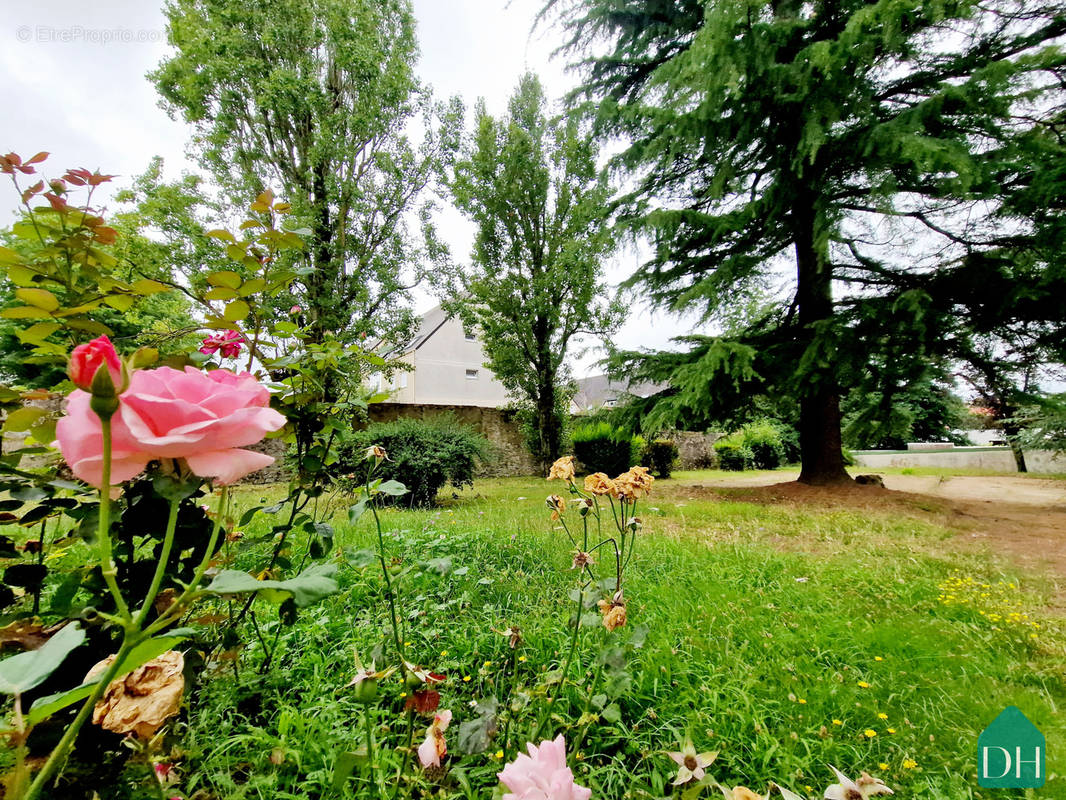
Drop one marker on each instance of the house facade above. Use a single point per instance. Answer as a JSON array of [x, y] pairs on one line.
[[447, 368]]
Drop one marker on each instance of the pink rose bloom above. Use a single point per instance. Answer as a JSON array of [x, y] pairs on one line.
[[81, 443], [86, 359], [434, 747], [229, 342], [205, 418], [542, 775]]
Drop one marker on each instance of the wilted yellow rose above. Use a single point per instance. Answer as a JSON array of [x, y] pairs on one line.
[[614, 612], [634, 484], [562, 470], [598, 483]]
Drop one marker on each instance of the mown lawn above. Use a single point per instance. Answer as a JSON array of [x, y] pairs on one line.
[[784, 637]]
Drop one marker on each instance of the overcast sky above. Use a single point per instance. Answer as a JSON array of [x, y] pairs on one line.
[[73, 84]]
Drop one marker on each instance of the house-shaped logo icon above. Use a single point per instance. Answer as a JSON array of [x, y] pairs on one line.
[[1011, 753]]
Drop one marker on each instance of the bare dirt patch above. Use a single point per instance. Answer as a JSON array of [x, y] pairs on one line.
[[1023, 519]]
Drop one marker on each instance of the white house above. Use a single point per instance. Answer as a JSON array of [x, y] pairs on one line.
[[448, 368]]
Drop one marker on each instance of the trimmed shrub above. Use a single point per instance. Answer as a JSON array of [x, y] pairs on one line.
[[423, 455], [733, 454], [600, 447], [661, 455], [764, 440]]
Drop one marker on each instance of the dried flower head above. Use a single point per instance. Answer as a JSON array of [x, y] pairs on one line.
[[634, 484], [557, 505], [582, 559], [376, 452], [562, 470], [864, 788], [599, 484], [613, 611], [514, 636], [143, 700], [744, 793]]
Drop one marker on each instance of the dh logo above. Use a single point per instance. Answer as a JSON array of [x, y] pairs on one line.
[[1011, 753]]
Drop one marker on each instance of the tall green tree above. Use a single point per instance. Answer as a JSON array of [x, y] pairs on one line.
[[857, 152], [314, 98], [531, 184]]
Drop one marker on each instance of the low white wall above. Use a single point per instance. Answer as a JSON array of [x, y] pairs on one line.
[[997, 459], [1044, 461]]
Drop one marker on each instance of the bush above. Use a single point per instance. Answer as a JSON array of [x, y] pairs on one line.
[[764, 440], [600, 447], [423, 455], [733, 454], [661, 455]]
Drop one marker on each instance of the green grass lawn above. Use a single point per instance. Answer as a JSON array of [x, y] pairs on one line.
[[784, 637]]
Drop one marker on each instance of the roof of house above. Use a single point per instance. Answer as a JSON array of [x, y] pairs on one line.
[[597, 390], [428, 324]]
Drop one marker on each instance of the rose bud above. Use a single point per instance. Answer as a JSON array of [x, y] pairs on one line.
[[86, 361]]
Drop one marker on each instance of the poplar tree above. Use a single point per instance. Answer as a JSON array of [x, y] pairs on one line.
[[531, 184], [314, 99], [862, 157]]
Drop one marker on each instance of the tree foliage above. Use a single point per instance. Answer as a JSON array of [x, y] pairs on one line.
[[532, 186], [315, 98], [873, 160]]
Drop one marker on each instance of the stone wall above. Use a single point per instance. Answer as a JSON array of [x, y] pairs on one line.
[[498, 426], [695, 450]]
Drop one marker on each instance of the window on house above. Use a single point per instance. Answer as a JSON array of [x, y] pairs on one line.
[[471, 374], [401, 380], [471, 337]]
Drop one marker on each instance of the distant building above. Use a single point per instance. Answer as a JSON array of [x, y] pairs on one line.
[[448, 368], [599, 391]]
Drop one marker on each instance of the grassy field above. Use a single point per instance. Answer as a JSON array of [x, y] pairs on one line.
[[784, 637]]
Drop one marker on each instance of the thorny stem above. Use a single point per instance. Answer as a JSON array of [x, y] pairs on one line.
[[168, 616], [161, 565], [389, 594], [370, 749], [103, 543], [21, 773]]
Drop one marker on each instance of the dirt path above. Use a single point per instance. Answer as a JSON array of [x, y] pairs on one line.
[[1021, 518]]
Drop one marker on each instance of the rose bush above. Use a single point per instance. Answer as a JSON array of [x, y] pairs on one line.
[[204, 418]]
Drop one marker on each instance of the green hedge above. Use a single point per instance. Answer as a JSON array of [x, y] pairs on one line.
[[423, 455], [758, 445], [660, 456], [733, 454], [600, 447]]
